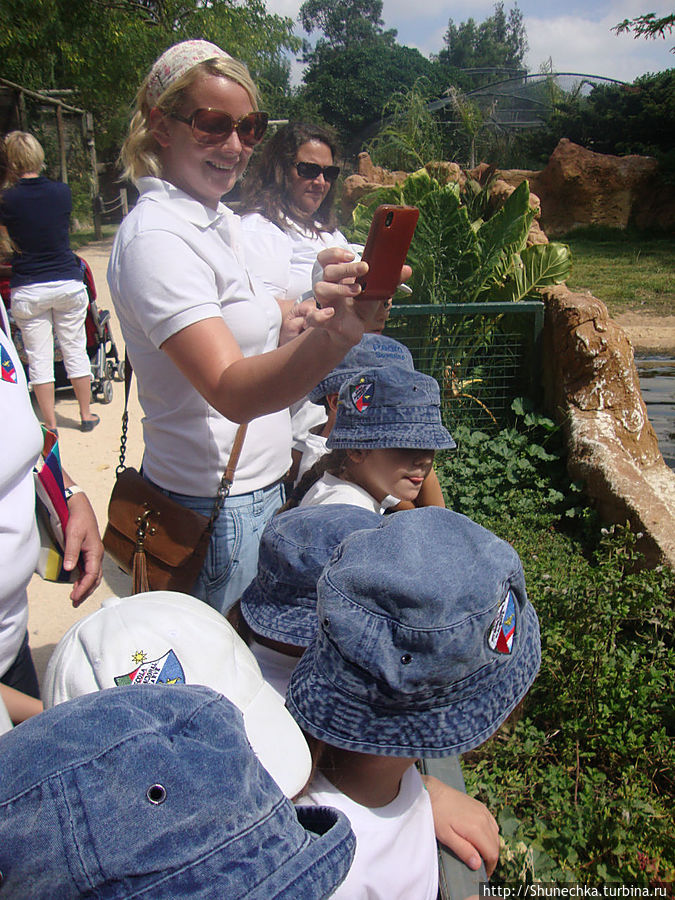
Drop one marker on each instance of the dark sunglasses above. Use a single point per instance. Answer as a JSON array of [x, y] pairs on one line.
[[313, 170], [214, 126]]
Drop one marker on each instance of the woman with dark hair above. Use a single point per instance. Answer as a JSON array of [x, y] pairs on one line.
[[287, 209], [287, 219]]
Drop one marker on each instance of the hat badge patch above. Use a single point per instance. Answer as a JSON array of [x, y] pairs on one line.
[[165, 670], [503, 627], [362, 394]]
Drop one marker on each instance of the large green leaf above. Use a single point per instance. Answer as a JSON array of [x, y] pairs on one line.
[[541, 265]]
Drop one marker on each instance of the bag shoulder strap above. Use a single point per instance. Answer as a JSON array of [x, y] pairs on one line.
[[228, 475]]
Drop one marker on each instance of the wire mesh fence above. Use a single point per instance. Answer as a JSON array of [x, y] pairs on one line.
[[483, 355]]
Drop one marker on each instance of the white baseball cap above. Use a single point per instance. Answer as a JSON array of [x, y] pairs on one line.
[[162, 637]]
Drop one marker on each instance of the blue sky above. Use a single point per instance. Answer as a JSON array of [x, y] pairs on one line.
[[576, 35]]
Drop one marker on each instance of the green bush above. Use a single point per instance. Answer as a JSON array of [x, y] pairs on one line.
[[581, 778]]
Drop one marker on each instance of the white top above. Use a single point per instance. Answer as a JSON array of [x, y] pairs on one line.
[[331, 489], [176, 262], [396, 853], [314, 447], [283, 258], [276, 667], [19, 542]]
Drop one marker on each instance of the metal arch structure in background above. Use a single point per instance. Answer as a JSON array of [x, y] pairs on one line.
[[524, 109], [517, 88]]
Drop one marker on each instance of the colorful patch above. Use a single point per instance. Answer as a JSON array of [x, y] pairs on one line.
[[502, 630], [165, 670], [362, 394], [7, 366]]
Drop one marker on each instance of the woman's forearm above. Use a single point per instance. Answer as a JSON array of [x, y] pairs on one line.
[[243, 388]]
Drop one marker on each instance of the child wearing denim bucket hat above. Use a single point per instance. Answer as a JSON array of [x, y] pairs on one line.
[[426, 643], [277, 617], [278, 609], [372, 350], [155, 792], [387, 429]]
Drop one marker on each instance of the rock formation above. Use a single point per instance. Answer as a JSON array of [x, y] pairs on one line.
[[579, 187], [592, 386]]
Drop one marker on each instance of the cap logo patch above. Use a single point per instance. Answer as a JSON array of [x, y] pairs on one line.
[[503, 628], [165, 670], [362, 395]]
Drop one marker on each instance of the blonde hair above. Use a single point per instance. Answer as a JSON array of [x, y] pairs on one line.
[[140, 154], [24, 154]]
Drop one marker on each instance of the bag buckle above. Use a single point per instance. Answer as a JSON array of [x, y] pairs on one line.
[[144, 528]]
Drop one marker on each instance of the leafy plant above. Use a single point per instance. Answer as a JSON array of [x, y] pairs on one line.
[[410, 135], [459, 260], [459, 257]]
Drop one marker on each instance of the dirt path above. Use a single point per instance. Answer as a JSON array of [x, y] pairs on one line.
[[649, 335], [90, 459]]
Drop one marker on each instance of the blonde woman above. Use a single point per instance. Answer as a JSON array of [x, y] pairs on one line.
[[210, 347], [46, 283]]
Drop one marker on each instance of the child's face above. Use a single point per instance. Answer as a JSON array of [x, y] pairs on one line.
[[378, 315], [384, 471]]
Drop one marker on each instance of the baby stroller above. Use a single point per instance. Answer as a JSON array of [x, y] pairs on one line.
[[101, 350]]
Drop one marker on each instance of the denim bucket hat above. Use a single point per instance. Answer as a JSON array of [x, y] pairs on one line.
[[426, 641], [167, 638], [389, 406], [147, 792], [372, 350], [280, 603]]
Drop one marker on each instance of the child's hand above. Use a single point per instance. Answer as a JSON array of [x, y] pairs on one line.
[[464, 825]]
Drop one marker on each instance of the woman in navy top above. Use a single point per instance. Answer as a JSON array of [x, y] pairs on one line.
[[47, 289]]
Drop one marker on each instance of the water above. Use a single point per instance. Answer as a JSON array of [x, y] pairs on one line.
[[657, 383]]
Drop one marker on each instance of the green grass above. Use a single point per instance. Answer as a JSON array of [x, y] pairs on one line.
[[626, 270]]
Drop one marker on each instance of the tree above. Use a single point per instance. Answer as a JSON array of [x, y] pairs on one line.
[[103, 48], [647, 26], [344, 23], [499, 42], [350, 87]]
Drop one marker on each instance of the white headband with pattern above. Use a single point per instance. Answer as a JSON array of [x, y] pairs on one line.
[[175, 62]]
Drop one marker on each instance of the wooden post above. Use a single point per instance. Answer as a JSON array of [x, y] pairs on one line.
[[21, 110], [124, 201], [89, 131], [63, 162]]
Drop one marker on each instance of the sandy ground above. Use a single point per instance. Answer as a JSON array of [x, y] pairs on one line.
[[90, 459], [650, 335]]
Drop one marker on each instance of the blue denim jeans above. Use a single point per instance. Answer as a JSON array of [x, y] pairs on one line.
[[232, 558]]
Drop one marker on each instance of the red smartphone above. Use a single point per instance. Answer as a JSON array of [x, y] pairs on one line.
[[386, 248]]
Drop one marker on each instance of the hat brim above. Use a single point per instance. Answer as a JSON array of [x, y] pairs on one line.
[[294, 625], [344, 720], [277, 741], [415, 436]]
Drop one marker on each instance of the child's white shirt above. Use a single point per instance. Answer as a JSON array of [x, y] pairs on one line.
[[276, 667], [314, 447], [331, 489], [396, 856]]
